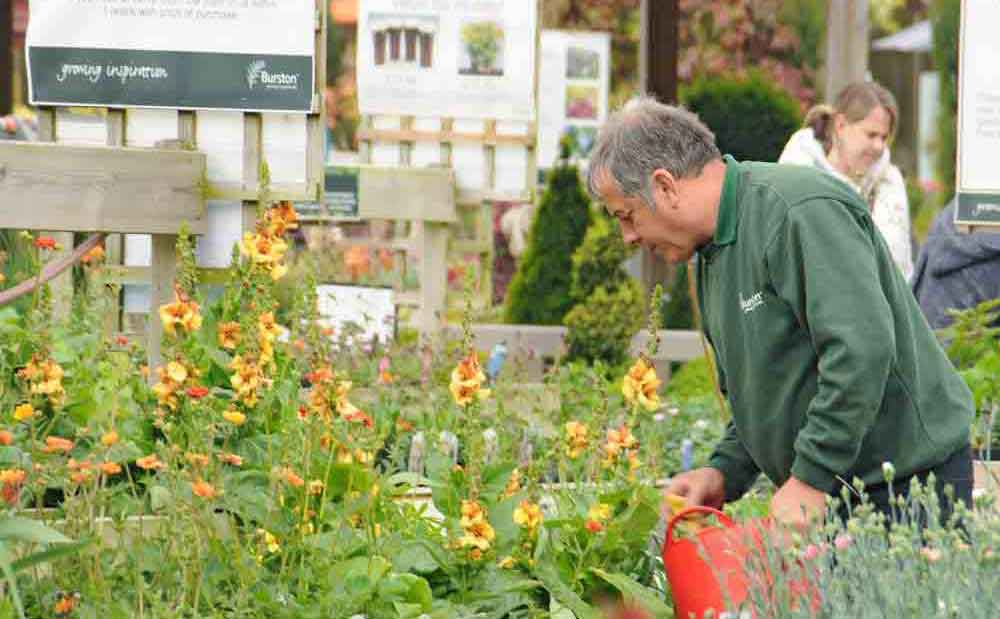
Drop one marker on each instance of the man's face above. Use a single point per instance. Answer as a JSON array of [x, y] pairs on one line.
[[664, 231]]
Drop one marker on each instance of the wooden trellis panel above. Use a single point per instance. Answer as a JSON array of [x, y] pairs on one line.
[[493, 162], [236, 145]]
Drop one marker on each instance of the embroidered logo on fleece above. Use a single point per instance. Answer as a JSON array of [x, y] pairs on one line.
[[755, 301]]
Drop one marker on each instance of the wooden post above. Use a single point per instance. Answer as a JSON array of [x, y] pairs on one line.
[[61, 286], [433, 277], [252, 131], [658, 75], [6, 57], [658, 49], [114, 243], [163, 260], [846, 45]]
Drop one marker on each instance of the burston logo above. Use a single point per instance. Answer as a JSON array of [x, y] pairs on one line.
[[257, 74], [755, 301]]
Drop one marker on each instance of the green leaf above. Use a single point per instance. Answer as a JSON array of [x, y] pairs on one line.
[[8, 571], [416, 556], [28, 530], [562, 592], [406, 588], [159, 497], [637, 593], [50, 554]]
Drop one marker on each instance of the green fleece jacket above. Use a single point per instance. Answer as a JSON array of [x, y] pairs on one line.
[[827, 362]]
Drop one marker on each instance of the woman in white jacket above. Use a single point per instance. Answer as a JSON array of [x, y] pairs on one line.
[[850, 141]]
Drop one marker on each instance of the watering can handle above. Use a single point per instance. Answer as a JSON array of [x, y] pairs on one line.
[[694, 509]]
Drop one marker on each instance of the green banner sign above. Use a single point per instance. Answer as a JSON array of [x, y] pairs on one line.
[[976, 209], [171, 79], [340, 190]]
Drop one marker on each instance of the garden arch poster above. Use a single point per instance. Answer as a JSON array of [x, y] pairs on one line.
[[447, 58]]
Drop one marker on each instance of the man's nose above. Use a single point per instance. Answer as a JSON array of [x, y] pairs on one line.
[[629, 234]]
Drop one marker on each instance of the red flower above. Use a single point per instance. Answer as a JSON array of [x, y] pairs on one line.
[[121, 340], [594, 526], [45, 242], [197, 392]]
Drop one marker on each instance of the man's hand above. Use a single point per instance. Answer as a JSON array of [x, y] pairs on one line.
[[796, 504], [704, 486]]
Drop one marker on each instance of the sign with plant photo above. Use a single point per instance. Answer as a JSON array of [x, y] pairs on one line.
[[447, 58], [250, 56], [978, 115], [573, 93]]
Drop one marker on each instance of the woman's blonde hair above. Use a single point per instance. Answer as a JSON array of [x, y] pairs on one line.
[[855, 102]]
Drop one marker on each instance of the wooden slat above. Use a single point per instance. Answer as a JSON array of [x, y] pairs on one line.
[[105, 189], [121, 274], [445, 137], [426, 194]]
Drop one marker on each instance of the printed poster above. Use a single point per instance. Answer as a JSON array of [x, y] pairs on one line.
[[979, 114], [447, 58], [247, 55], [573, 89]]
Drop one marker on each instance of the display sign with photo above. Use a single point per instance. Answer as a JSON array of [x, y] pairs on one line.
[[367, 312], [191, 54], [447, 58], [978, 181], [573, 92]]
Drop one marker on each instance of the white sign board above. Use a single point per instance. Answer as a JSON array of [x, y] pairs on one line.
[[372, 310], [447, 58], [184, 54], [573, 86], [979, 114]]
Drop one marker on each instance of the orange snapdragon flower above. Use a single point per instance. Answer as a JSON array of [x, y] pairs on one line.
[[467, 380], [203, 489], [576, 438], [150, 462], [182, 313], [229, 335], [55, 444], [640, 384]]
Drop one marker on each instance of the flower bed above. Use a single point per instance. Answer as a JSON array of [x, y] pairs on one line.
[[269, 471]]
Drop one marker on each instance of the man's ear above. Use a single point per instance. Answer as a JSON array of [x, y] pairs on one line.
[[664, 188]]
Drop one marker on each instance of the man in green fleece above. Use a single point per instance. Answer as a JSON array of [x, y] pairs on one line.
[[829, 367]]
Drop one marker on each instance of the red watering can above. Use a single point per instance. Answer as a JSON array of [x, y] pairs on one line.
[[709, 570]]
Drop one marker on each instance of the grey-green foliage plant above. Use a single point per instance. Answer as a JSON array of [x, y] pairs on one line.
[[609, 305], [539, 293], [914, 563]]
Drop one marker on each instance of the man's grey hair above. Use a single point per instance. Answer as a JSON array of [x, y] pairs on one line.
[[645, 135]]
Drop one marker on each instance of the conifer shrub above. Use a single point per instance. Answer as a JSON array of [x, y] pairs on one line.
[[539, 293], [609, 306], [751, 116]]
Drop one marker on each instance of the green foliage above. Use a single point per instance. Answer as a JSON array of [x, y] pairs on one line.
[[609, 304], [598, 260], [945, 15], [751, 117], [972, 347], [692, 380], [602, 326], [808, 19], [677, 313], [539, 293]]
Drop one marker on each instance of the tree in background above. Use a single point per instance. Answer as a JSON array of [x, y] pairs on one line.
[[779, 39], [751, 117], [609, 304], [945, 15], [540, 291]]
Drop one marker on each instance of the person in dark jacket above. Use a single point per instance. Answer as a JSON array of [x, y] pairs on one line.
[[955, 270]]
